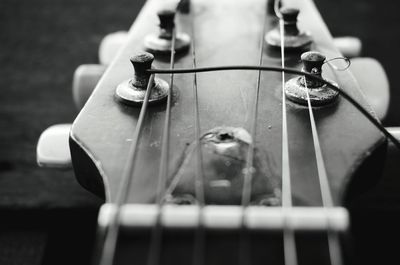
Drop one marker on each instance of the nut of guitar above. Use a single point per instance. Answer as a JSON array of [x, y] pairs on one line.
[[227, 217]]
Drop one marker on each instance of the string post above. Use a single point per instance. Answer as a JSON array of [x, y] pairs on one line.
[[296, 89], [289, 16], [312, 63], [161, 42], [132, 91], [167, 23], [141, 63], [184, 6], [293, 37]]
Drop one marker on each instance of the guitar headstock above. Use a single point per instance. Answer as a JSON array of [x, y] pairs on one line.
[[216, 111], [225, 33]]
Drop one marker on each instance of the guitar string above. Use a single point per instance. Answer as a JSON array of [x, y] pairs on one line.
[[334, 249], [112, 231], [199, 236], [156, 237], [327, 201], [289, 241], [249, 170]]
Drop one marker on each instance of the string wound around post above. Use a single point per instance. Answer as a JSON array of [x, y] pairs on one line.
[[346, 63]]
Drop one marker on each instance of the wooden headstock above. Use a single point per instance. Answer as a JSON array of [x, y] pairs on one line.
[[226, 32]]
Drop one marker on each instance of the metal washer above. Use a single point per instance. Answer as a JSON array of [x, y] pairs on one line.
[[320, 96], [128, 94], [155, 44], [301, 41]]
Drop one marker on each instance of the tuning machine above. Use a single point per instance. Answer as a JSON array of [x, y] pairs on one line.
[[319, 93], [161, 43], [293, 38], [133, 91]]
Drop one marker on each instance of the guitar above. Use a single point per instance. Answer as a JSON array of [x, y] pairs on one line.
[[225, 167]]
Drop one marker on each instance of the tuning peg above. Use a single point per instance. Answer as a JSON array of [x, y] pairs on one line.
[[110, 46], [133, 90], [374, 83], [349, 47], [293, 39], [319, 93], [85, 79], [52, 150], [161, 43]]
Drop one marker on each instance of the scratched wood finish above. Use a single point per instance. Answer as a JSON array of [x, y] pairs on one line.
[[226, 32]]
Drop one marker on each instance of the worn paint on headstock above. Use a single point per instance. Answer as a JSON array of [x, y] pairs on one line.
[[226, 32]]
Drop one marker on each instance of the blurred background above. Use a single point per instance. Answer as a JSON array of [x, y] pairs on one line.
[[41, 44]]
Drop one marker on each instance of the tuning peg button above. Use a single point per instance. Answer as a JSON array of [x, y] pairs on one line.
[[133, 90]]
